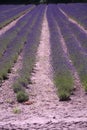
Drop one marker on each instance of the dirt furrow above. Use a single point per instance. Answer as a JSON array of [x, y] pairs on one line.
[[43, 91], [73, 21]]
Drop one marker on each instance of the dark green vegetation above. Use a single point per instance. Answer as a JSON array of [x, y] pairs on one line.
[[22, 96], [64, 83], [39, 1]]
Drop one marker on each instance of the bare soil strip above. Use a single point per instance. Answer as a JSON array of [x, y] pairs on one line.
[[74, 22], [10, 25], [46, 113]]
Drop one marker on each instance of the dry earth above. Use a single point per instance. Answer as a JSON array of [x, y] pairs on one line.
[[47, 112]]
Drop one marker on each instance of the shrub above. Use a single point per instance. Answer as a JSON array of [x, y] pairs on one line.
[[22, 96], [64, 84], [17, 87], [64, 96]]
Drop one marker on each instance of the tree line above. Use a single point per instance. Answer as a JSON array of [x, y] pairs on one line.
[[39, 1]]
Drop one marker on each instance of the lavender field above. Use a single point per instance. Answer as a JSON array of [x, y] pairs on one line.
[[43, 67]]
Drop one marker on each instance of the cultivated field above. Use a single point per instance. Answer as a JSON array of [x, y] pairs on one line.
[[43, 67]]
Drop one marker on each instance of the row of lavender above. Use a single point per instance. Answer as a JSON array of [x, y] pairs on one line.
[[29, 53], [30, 50], [61, 67], [23, 37], [10, 14], [77, 49], [76, 11]]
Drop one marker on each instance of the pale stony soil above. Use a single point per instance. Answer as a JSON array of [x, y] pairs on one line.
[[47, 112]]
